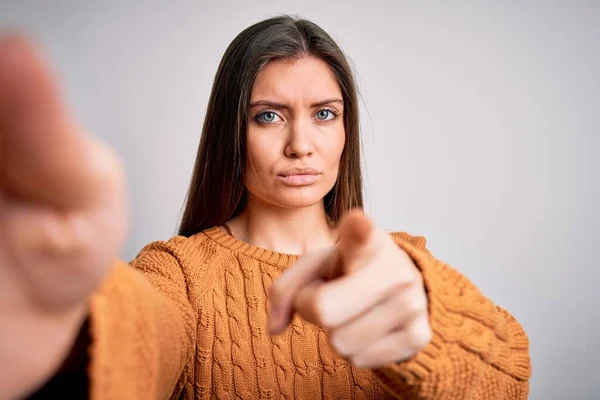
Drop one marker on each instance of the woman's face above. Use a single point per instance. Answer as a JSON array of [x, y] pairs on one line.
[[295, 133]]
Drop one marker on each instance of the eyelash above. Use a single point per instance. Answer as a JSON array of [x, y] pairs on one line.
[[335, 113]]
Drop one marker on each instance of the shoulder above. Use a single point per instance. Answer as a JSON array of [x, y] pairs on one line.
[[419, 242], [184, 250], [186, 261]]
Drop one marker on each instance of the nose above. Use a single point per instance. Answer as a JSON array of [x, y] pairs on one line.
[[299, 140]]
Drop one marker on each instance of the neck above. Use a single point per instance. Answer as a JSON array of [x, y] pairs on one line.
[[284, 230]]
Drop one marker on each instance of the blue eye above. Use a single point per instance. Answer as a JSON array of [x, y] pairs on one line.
[[266, 117], [325, 115]]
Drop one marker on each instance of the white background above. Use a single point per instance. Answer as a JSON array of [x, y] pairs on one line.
[[480, 129]]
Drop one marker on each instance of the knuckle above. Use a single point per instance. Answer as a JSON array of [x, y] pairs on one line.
[[275, 291], [322, 307], [359, 362], [60, 237], [419, 335], [416, 278], [394, 283], [416, 305], [340, 343], [401, 279]]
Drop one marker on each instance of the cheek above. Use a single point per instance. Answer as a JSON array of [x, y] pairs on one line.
[[336, 147], [257, 151], [263, 150], [254, 160]]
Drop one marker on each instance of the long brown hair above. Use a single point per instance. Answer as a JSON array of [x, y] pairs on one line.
[[217, 191]]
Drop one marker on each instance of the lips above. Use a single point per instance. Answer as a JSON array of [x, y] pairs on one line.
[[300, 171], [300, 176]]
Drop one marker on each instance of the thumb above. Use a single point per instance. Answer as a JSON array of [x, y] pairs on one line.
[[43, 155], [356, 244]]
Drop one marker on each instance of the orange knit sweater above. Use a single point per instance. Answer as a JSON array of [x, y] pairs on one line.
[[189, 315]]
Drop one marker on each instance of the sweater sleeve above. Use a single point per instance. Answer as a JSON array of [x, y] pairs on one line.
[[142, 328], [477, 350]]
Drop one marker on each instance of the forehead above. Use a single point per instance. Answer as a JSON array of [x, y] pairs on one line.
[[308, 78]]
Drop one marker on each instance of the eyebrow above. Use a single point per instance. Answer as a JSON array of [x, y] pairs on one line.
[[275, 104]]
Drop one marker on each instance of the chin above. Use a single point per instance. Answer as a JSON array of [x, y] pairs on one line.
[[298, 197]]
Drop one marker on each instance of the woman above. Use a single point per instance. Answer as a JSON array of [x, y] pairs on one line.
[[277, 285]]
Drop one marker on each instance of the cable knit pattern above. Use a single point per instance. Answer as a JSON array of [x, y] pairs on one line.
[[189, 317]]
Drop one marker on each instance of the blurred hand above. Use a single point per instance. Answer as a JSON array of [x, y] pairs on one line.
[[365, 292], [62, 220]]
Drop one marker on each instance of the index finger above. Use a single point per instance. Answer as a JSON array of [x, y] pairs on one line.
[[356, 245]]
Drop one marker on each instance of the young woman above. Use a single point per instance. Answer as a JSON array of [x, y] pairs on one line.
[[277, 285]]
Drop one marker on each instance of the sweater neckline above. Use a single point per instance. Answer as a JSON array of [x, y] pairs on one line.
[[279, 260]]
